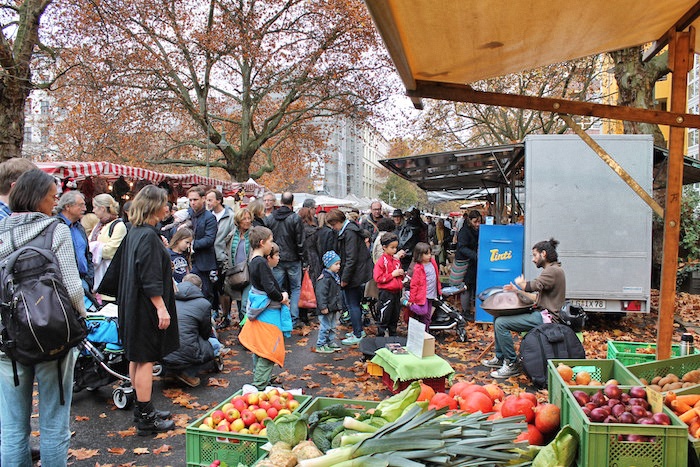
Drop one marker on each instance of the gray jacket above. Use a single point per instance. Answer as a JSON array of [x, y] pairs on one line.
[[27, 226], [225, 226]]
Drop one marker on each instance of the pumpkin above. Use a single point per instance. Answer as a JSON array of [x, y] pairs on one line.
[[547, 418], [532, 435], [442, 399], [426, 392], [516, 405], [476, 402], [566, 372], [457, 388]]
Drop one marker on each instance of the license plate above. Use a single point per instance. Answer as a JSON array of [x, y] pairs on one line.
[[589, 303]]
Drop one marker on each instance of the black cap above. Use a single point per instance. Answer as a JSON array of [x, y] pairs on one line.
[[397, 213]]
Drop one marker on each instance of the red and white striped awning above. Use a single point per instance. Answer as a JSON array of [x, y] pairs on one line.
[[81, 170]]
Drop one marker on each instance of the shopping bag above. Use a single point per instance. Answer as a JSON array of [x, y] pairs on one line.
[[307, 298]]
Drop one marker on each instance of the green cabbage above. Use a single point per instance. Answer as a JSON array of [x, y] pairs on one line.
[[289, 428]]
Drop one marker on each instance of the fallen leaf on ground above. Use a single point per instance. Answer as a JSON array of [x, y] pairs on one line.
[[128, 432], [222, 383], [81, 418], [82, 453], [162, 449], [139, 451], [117, 451]]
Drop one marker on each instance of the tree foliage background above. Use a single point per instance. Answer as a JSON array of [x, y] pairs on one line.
[[242, 82]]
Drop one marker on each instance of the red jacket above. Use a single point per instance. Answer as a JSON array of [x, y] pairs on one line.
[[387, 264], [419, 283]]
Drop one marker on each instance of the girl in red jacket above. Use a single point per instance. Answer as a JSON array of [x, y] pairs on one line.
[[425, 284], [388, 275]]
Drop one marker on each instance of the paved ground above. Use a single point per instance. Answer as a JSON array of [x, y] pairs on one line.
[[104, 435]]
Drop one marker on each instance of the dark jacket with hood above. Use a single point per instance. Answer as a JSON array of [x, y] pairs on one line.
[[328, 293], [194, 324], [205, 228], [355, 260], [288, 232]]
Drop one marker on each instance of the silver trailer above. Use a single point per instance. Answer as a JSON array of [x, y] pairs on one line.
[[603, 227]]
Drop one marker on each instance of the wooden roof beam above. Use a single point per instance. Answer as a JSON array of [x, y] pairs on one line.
[[682, 23], [465, 93]]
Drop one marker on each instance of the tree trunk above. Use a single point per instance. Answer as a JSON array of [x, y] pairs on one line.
[[635, 81], [12, 100]]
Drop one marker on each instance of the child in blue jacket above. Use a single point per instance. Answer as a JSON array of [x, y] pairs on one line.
[[330, 303]]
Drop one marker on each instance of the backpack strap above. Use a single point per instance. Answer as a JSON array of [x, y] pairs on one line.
[[116, 221]]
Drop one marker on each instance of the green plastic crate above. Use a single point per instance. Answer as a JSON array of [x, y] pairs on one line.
[[600, 446], [600, 370], [320, 403], [202, 447], [627, 353], [678, 366]]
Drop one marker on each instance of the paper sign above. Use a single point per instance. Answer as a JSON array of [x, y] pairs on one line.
[[414, 341], [656, 400]]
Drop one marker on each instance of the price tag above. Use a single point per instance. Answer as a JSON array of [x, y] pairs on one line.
[[656, 400]]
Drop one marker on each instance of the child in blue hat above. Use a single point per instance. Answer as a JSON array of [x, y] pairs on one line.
[[330, 303]]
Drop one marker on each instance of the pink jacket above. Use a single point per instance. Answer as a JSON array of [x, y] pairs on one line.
[[387, 264], [419, 283]]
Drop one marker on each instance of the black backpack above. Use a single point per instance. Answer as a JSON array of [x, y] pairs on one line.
[[547, 341], [38, 321]]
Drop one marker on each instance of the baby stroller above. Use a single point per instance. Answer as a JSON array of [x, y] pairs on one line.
[[101, 360], [445, 317]]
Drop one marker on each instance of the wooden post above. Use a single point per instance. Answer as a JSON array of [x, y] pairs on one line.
[[680, 61]]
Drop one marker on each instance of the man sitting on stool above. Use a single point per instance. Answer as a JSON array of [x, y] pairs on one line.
[[550, 289], [197, 342]]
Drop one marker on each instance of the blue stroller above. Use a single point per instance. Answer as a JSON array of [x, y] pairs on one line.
[[101, 360]]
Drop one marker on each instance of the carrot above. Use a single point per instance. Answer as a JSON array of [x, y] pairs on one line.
[[697, 433], [688, 416], [690, 399], [694, 427], [680, 406], [697, 404], [670, 397]]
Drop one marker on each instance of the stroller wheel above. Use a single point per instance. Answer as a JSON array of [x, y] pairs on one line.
[[461, 333], [157, 369], [122, 399]]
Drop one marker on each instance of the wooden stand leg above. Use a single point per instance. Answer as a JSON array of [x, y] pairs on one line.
[[486, 350]]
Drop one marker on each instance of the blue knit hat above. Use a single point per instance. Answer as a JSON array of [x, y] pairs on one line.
[[330, 258]]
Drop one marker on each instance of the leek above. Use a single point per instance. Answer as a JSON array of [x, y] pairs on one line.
[[353, 424]]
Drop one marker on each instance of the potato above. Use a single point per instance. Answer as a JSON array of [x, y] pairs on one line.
[[644, 382], [663, 382], [656, 380], [674, 378], [655, 387], [674, 386]]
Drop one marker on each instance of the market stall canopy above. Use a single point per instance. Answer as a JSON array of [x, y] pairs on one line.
[[81, 170], [460, 42], [476, 173]]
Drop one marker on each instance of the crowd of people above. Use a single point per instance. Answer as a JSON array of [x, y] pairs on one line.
[[177, 275]]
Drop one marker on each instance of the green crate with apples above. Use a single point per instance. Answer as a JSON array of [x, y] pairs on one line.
[[207, 440]]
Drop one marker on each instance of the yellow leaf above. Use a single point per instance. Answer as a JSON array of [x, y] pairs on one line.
[[140, 451], [82, 453], [117, 451]]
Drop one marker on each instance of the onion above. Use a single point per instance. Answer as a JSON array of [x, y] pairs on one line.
[[598, 415], [606, 409], [613, 391], [638, 412], [618, 410], [640, 402], [626, 417], [586, 411], [610, 419], [637, 438], [613, 402], [646, 421], [590, 406], [638, 391], [581, 397], [624, 398], [598, 398], [661, 419]]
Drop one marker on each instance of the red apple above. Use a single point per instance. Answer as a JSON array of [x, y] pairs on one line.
[[260, 414], [248, 417], [263, 396], [237, 425], [232, 414], [277, 404], [253, 407], [217, 416], [223, 422], [272, 412], [209, 421], [253, 398], [240, 405], [254, 428], [226, 407], [265, 404], [223, 427], [273, 392]]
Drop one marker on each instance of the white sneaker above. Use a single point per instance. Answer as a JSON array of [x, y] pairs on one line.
[[507, 370]]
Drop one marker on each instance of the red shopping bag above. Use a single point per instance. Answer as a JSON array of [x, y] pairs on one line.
[[307, 298]]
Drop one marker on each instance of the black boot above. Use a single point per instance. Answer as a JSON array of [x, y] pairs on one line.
[[149, 424], [162, 414]]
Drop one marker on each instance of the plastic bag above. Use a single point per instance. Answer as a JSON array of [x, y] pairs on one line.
[[307, 298]]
